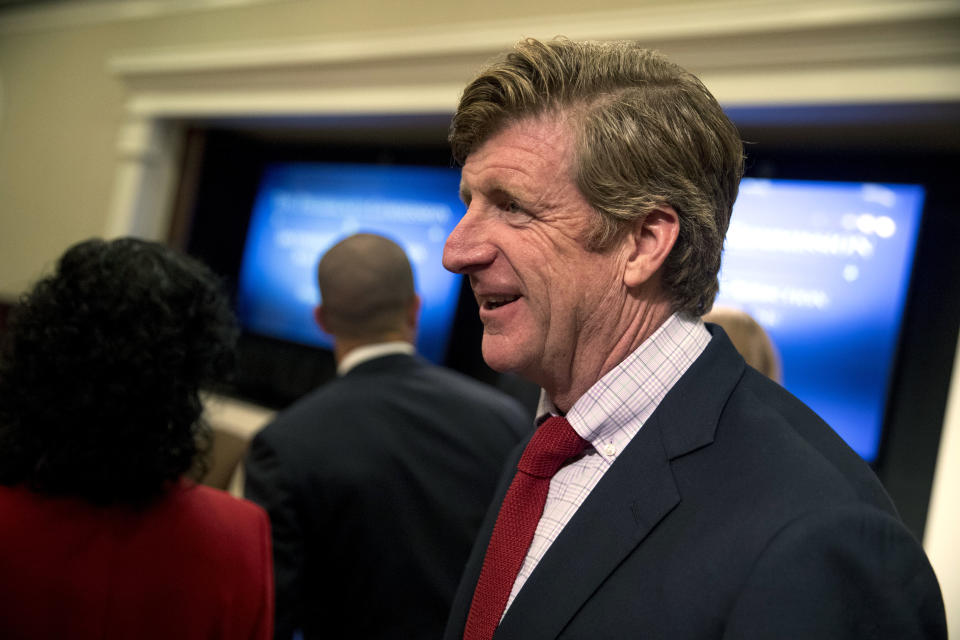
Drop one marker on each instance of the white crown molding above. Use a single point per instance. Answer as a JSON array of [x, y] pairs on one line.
[[838, 86], [397, 100], [66, 15], [660, 24], [757, 51]]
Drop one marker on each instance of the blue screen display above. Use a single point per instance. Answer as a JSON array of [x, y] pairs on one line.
[[824, 267], [302, 209]]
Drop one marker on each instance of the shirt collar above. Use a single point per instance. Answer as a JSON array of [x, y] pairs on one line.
[[614, 409], [370, 351]]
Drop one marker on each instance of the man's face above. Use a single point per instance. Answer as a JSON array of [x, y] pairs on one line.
[[549, 307]]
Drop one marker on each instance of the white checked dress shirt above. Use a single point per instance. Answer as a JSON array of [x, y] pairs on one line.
[[608, 416]]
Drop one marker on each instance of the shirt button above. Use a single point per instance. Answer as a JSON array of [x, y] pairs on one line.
[[610, 449]]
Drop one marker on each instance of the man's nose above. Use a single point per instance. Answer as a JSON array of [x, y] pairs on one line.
[[468, 246]]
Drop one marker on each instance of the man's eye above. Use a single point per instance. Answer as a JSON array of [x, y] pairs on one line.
[[512, 207]]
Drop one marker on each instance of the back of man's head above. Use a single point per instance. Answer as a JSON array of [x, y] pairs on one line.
[[366, 288]]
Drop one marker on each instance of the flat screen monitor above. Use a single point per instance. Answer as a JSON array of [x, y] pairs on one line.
[[824, 267], [302, 209]]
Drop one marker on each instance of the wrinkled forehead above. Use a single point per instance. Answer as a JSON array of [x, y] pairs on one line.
[[536, 144], [485, 129], [544, 135]]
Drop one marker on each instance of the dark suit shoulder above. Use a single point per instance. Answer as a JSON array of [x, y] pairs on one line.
[[479, 393], [392, 380], [840, 572], [388, 400], [726, 420], [801, 439]]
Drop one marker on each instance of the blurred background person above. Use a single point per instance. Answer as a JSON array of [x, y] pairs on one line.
[[103, 535], [750, 339], [376, 483]]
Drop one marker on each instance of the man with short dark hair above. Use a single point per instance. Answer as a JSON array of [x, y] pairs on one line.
[[669, 491], [376, 482]]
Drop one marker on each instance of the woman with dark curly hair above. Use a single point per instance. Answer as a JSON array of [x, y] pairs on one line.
[[101, 533]]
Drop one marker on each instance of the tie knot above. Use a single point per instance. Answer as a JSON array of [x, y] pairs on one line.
[[552, 444]]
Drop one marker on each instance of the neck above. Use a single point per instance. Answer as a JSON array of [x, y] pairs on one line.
[[590, 363], [343, 346]]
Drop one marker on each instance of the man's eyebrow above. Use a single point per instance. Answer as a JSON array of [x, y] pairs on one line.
[[493, 189], [498, 188]]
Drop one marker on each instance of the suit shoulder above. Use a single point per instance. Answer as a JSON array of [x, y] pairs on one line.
[[472, 390], [887, 588], [472, 387], [765, 412], [302, 414]]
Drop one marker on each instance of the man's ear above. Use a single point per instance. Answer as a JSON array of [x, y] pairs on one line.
[[319, 317], [650, 241], [413, 311]]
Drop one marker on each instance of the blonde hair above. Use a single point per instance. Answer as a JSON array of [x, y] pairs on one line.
[[750, 339], [648, 134]]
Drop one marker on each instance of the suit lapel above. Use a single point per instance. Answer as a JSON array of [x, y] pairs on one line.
[[634, 495]]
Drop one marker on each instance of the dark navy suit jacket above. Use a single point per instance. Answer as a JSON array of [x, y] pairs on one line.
[[736, 512], [376, 485]]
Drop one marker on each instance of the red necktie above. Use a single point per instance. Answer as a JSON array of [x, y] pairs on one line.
[[552, 444]]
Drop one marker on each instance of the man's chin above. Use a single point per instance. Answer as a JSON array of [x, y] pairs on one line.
[[502, 356]]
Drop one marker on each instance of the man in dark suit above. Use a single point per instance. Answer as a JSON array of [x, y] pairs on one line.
[[376, 483], [670, 491]]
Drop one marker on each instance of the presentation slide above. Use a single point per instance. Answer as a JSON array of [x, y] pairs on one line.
[[302, 209], [824, 267]]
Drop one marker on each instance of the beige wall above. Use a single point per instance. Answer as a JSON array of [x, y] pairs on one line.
[[943, 524], [60, 108]]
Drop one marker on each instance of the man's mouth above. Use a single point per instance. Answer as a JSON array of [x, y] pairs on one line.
[[495, 302]]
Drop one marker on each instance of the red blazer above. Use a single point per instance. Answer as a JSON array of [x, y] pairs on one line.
[[196, 564]]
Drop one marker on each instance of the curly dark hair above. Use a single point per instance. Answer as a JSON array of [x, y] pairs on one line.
[[101, 371]]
